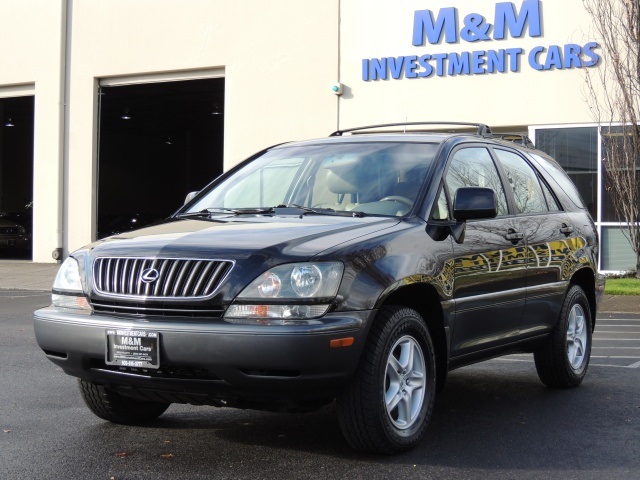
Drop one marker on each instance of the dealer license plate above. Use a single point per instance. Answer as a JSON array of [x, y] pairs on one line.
[[133, 348]]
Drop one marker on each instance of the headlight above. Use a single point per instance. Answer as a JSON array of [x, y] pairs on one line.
[[310, 287], [67, 287]]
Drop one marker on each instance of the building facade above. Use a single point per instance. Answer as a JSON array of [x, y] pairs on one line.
[[121, 93]]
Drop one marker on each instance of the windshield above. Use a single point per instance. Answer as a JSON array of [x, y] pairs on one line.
[[373, 178]]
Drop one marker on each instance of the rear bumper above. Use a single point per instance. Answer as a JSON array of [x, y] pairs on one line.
[[204, 361]]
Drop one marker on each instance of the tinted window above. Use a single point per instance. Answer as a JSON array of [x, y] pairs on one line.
[[552, 203], [561, 177], [576, 150], [473, 167], [382, 178], [524, 183]]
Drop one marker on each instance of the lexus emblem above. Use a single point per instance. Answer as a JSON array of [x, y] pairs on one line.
[[149, 275]]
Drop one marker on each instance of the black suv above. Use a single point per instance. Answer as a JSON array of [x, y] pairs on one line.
[[360, 269]]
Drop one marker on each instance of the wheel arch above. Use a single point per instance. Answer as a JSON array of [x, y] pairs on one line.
[[585, 279], [424, 299]]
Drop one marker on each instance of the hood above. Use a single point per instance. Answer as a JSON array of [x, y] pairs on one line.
[[285, 238]]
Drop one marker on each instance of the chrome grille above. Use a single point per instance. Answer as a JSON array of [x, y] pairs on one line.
[[176, 277]]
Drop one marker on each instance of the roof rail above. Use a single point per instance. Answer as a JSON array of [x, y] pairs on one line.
[[520, 138], [483, 130]]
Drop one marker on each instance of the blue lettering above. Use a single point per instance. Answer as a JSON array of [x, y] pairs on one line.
[[477, 62], [594, 58], [459, 63], [554, 58], [439, 58], [378, 69], [508, 20], [410, 66], [572, 54], [514, 58], [395, 66], [533, 58], [365, 69], [424, 63], [495, 61], [424, 26]]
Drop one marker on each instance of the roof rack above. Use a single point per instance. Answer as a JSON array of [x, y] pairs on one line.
[[483, 130], [515, 138]]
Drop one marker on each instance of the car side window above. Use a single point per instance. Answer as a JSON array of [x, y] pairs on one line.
[[473, 167], [524, 182], [553, 204], [441, 208]]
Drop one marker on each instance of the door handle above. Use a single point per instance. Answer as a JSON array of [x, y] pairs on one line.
[[514, 236], [566, 229]]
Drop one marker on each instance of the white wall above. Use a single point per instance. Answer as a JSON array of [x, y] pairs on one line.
[[31, 53]]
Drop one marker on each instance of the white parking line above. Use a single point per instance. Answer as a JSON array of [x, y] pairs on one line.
[[633, 365], [618, 339], [618, 331], [618, 348]]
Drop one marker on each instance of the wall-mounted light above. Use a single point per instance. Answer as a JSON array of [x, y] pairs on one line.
[[217, 109], [169, 140], [125, 114], [9, 123]]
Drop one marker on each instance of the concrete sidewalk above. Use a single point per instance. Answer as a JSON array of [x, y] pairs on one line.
[[26, 275]]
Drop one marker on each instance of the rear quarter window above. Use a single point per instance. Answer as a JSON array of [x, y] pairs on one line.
[[560, 176]]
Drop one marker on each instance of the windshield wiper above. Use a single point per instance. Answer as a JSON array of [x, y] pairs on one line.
[[207, 212], [291, 207]]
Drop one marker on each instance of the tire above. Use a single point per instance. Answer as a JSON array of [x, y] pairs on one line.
[[385, 408], [117, 408], [562, 362]]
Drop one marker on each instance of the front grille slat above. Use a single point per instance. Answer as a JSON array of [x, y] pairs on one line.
[[177, 278], [214, 278]]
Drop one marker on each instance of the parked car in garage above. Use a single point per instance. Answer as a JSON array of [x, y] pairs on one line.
[[13, 236], [359, 268]]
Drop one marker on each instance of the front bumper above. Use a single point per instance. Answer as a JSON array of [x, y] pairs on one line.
[[202, 361]]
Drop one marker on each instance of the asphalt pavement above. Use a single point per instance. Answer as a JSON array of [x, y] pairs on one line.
[[26, 275], [494, 420]]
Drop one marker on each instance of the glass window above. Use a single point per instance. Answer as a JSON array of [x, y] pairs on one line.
[[381, 178], [561, 177], [552, 203], [616, 253], [473, 167], [618, 171], [524, 182], [441, 208], [576, 150]]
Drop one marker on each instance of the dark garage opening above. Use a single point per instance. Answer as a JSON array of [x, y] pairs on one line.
[[16, 177], [158, 142]]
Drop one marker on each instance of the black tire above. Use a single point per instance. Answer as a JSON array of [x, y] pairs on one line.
[[117, 408], [562, 362], [365, 419]]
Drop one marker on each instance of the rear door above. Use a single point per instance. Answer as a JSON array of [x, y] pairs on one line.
[[550, 241], [490, 264]]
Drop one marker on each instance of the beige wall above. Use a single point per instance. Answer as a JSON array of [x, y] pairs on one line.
[[381, 28]]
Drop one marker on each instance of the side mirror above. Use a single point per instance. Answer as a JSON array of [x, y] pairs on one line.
[[473, 203], [190, 197]]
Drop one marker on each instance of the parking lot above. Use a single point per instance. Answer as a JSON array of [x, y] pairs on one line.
[[493, 420]]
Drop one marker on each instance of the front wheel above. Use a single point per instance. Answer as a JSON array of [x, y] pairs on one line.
[[117, 408], [387, 405], [562, 362]]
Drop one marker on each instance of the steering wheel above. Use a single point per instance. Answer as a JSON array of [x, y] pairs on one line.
[[397, 198]]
